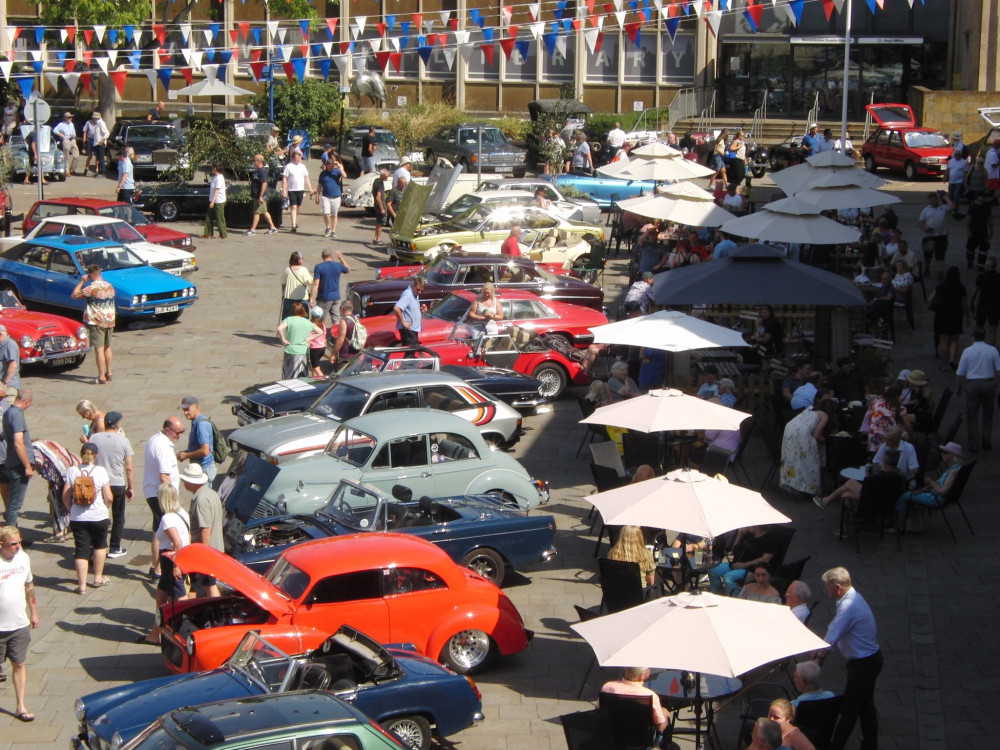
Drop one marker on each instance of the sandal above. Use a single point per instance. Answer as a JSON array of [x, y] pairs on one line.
[[24, 716], [81, 590], [99, 381], [107, 376], [103, 582]]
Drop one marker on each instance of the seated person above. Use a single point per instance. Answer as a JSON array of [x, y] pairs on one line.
[[782, 713], [760, 588], [733, 201], [620, 385], [698, 246], [631, 547], [881, 304], [766, 735], [598, 393], [934, 492], [710, 386], [917, 399], [727, 393], [850, 491], [807, 682], [753, 544], [631, 683], [805, 394], [639, 297], [902, 282], [846, 382], [797, 597], [540, 200], [795, 379], [770, 334], [652, 370], [651, 255], [683, 255]]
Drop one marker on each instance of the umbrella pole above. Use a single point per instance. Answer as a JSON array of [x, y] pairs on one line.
[[697, 711]]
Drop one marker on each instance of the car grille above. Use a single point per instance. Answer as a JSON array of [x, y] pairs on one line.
[[169, 264], [501, 160], [56, 344], [171, 652], [356, 301], [255, 410], [390, 165], [264, 509], [165, 296]]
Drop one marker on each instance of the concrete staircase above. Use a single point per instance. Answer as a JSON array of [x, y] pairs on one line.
[[776, 130]]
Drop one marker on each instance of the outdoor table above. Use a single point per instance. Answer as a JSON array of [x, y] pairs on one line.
[[677, 690], [856, 473], [672, 559]]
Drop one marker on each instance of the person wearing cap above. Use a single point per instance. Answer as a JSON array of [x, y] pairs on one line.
[[957, 170], [65, 132], [639, 297], [156, 113], [201, 439], [206, 522], [95, 138], [294, 184], [248, 112], [810, 141], [368, 151], [160, 467], [99, 317], [992, 164], [935, 491], [126, 176], [115, 456], [325, 289], [10, 365], [916, 397], [402, 173], [89, 518], [976, 375], [273, 146]]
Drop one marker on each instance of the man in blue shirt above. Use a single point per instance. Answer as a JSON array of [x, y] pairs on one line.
[[854, 632], [408, 313], [126, 182], [723, 246], [330, 191], [201, 440], [18, 469], [326, 285], [810, 141], [10, 364]]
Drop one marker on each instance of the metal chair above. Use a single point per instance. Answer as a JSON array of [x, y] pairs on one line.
[[631, 720], [739, 466], [954, 497], [621, 584], [716, 461], [939, 412], [877, 503], [843, 452], [587, 730], [640, 449], [817, 720]]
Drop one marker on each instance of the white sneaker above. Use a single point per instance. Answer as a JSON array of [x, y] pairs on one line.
[[117, 552], [250, 233], [326, 233], [272, 230]]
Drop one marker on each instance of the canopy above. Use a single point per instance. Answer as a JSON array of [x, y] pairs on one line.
[[791, 220], [693, 212], [213, 87], [657, 169], [667, 410], [670, 330], [805, 176], [845, 196]]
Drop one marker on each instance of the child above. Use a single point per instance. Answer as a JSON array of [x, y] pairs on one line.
[[317, 347]]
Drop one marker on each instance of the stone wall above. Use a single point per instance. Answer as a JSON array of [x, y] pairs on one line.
[[954, 112]]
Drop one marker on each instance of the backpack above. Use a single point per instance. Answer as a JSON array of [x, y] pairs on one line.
[[358, 336], [84, 489], [220, 448]]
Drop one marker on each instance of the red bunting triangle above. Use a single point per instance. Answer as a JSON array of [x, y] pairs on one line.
[[344, 46], [608, 9], [598, 43], [245, 30], [383, 59], [69, 65], [71, 34], [418, 20], [331, 23], [828, 8], [453, 23], [396, 58], [118, 77], [234, 34], [85, 80], [755, 10], [507, 45], [672, 10], [381, 26], [164, 56], [256, 69], [161, 32], [289, 71], [590, 7], [304, 49], [642, 16], [593, 21], [87, 56], [256, 53], [188, 75], [432, 39], [576, 24], [632, 29], [488, 52], [512, 32], [88, 35]]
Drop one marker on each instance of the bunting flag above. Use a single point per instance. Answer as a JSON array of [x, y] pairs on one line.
[[304, 28], [632, 29], [102, 63], [72, 79], [5, 67], [85, 79], [39, 34], [794, 11], [331, 29], [672, 24], [185, 29], [71, 34], [53, 79], [488, 53], [550, 42], [324, 68], [99, 30], [88, 36], [160, 31], [27, 85], [590, 36], [522, 46], [713, 19], [188, 75], [118, 78], [476, 16], [299, 66], [533, 9], [425, 51], [135, 58], [753, 14], [113, 36], [256, 70], [507, 45], [113, 56], [383, 59], [488, 35], [828, 8], [341, 61], [129, 30], [214, 28], [449, 57], [164, 75], [445, 17], [466, 51], [151, 77]]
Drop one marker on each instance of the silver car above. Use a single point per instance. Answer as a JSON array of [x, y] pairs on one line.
[[307, 433], [578, 209], [16, 157], [386, 153]]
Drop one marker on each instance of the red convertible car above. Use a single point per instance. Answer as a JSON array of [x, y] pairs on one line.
[[525, 309], [49, 340], [396, 587]]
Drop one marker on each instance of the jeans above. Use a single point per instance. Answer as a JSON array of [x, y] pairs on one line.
[[859, 703], [118, 502], [723, 576], [979, 394], [18, 491]]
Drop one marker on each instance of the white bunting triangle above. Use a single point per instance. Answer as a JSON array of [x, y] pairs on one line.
[[561, 44], [466, 51], [63, 35], [359, 26], [10, 31], [196, 58], [102, 63], [327, 47], [699, 8], [5, 66], [113, 56], [151, 77], [393, 42], [72, 79], [341, 61], [618, 4], [99, 32], [272, 28], [600, 23], [620, 15], [839, 5], [428, 26], [376, 44], [285, 50], [207, 33], [714, 18], [536, 29], [281, 35], [445, 15], [590, 35], [462, 37], [36, 54], [53, 79], [449, 57], [185, 31], [211, 72], [186, 54]]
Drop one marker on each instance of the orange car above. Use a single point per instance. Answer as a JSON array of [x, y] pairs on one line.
[[395, 587]]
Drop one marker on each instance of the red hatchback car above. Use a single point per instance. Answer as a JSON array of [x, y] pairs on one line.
[[899, 144], [161, 235], [396, 587]]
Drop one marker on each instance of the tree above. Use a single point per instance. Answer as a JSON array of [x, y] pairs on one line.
[[310, 104]]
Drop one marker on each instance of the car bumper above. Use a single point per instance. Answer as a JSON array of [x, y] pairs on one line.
[[55, 359], [934, 170], [244, 417], [152, 309]]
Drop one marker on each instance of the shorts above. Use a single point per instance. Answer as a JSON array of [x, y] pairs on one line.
[[88, 536], [993, 184], [4, 475], [154, 507], [168, 584], [940, 246], [381, 218], [99, 335], [261, 208], [316, 356], [331, 206], [201, 580], [367, 163], [717, 163], [14, 645], [295, 197], [990, 316]]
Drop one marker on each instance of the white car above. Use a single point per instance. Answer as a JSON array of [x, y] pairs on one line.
[[173, 260], [577, 209]]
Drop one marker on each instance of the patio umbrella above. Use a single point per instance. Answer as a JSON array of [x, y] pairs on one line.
[[667, 410], [658, 150], [693, 212], [791, 220], [805, 176], [830, 159], [670, 330], [686, 190], [845, 196], [754, 275], [213, 87], [686, 501], [656, 169]]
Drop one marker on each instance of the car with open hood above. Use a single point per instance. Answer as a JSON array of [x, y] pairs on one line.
[[898, 144], [407, 693], [577, 209], [42, 338], [475, 146], [397, 588], [15, 153]]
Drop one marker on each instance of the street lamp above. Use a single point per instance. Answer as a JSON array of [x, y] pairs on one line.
[[270, 72]]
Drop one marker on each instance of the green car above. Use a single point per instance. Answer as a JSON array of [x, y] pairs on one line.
[[313, 720]]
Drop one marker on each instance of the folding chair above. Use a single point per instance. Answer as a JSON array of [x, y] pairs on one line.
[[817, 720], [954, 497], [631, 720], [716, 461]]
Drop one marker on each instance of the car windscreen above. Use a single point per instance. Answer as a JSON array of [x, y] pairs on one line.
[[252, 129], [340, 402], [9, 301], [363, 362], [287, 578], [452, 309], [131, 214], [118, 231], [490, 136], [471, 219], [443, 271], [462, 205], [109, 258], [925, 140], [156, 133], [384, 138], [351, 446], [352, 506]]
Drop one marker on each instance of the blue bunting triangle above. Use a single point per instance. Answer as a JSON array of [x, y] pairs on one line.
[[634, 5], [425, 53], [129, 33], [316, 49], [672, 24], [555, 26], [210, 54], [256, 35], [567, 24], [797, 7], [324, 68], [27, 84], [871, 6], [550, 42], [299, 66], [753, 24], [61, 54], [225, 55], [474, 15], [405, 27], [135, 57], [723, 4], [304, 26], [560, 9], [421, 41], [39, 34], [403, 41], [113, 36], [522, 47], [488, 34], [390, 21], [164, 75], [214, 28]]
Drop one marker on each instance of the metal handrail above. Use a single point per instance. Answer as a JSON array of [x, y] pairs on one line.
[[813, 115], [759, 118]]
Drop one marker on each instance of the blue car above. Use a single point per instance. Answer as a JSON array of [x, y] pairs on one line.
[[46, 269], [478, 531], [606, 190], [407, 693]]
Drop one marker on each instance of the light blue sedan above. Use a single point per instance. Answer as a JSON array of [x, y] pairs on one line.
[[606, 190]]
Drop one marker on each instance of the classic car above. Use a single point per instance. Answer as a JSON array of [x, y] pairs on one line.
[[113, 209], [397, 588], [786, 154], [307, 433], [897, 143], [45, 270], [450, 273], [386, 152], [991, 116], [405, 692], [107, 229], [154, 145], [444, 455], [15, 154], [51, 340], [490, 199], [358, 192], [461, 144], [418, 243], [168, 201], [577, 209], [307, 720], [477, 531], [524, 309], [606, 191]]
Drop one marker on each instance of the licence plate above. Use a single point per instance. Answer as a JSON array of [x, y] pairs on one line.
[[172, 271], [503, 169], [61, 361], [166, 309]]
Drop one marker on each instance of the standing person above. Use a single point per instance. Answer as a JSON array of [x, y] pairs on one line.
[[408, 313], [99, 317], [10, 365], [95, 136], [582, 160], [616, 139], [126, 178], [555, 149], [976, 179], [511, 246], [65, 132], [403, 173], [172, 534], [296, 284], [718, 159], [381, 209], [951, 306], [988, 295], [810, 141], [10, 111], [201, 441], [87, 497], [992, 164], [296, 332], [368, 151], [216, 213], [156, 113], [325, 290], [737, 167], [294, 183], [977, 376], [980, 232], [826, 143], [958, 170], [258, 194], [17, 592], [114, 455], [932, 224], [31, 145], [395, 199], [17, 464], [855, 633], [248, 112], [331, 188], [317, 347], [160, 467], [206, 517], [342, 350]]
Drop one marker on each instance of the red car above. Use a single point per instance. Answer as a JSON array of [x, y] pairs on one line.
[[50, 340], [157, 233], [526, 309], [899, 144], [398, 588]]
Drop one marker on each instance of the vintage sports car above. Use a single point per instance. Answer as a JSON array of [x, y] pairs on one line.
[[786, 154], [307, 720], [476, 147], [42, 338], [521, 308], [278, 398], [606, 191], [394, 587], [114, 209], [107, 229], [169, 201], [154, 146], [46, 270], [15, 155], [899, 144], [386, 151], [307, 433], [406, 693], [449, 273], [439, 454], [577, 209]]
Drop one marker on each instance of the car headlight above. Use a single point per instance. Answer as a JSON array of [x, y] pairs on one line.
[[366, 300], [135, 301], [191, 291], [83, 334], [188, 261], [143, 299], [80, 709], [27, 342], [186, 242], [189, 645], [520, 158], [116, 741]]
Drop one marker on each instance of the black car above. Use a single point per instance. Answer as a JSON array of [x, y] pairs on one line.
[[168, 201], [786, 154], [155, 146]]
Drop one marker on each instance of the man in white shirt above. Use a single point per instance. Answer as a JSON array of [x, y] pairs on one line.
[[294, 182], [797, 598], [958, 168], [95, 137], [216, 212], [160, 466], [932, 223], [17, 599], [65, 133], [732, 201], [849, 151], [977, 375], [616, 139], [826, 143], [807, 682], [402, 173]]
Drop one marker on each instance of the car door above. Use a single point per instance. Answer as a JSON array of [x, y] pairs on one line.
[[60, 281], [404, 460], [354, 598], [30, 272], [468, 405], [895, 153], [475, 274], [415, 598], [456, 462], [446, 144]]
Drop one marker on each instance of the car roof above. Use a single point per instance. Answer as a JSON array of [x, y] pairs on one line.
[[487, 194], [346, 554], [503, 293], [73, 243], [477, 125], [386, 425], [87, 202], [364, 128], [82, 220], [144, 121], [377, 381], [534, 181]]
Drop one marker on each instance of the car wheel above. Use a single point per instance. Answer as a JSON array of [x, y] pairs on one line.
[[487, 563], [757, 170], [910, 170], [414, 731], [553, 380], [430, 158], [168, 210], [774, 163], [870, 164], [468, 651]]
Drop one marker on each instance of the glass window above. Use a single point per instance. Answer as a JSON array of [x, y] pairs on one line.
[[38, 257], [640, 62], [54, 229], [62, 263], [443, 397], [479, 68], [411, 580], [441, 64], [349, 587], [513, 274], [603, 67], [47, 209], [340, 402], [351, 446], [894, 139], [677, 58], [407, 399], [522, 309], [288, 578], [449, 446], [404, 453], [337, 742], [521, 67], [480, 274]]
